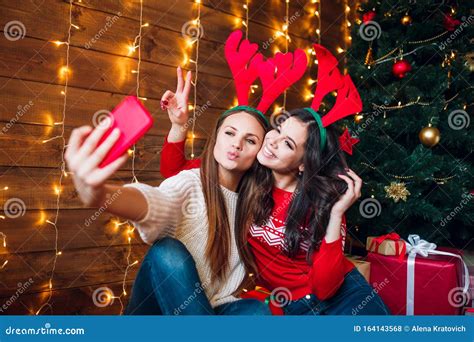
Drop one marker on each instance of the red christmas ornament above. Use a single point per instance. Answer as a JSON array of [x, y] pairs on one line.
[[450, 23], [346, 142], [369, 16], [400, 68]]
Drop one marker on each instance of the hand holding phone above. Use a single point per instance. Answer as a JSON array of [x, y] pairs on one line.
[[133, 121], [88, 149]]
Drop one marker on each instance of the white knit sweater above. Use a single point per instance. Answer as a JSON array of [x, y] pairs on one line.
[[177, 209]]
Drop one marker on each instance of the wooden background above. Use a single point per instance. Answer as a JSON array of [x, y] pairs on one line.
[[95, 255]]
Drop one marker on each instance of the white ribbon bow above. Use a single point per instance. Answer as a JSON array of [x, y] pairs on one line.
[[415, 246]]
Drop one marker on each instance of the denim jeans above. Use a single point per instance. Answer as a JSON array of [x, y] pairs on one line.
[[354, 297], [168, 284]]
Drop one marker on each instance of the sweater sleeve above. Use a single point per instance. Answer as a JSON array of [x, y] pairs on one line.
[[165, 207], [328, 269], [173, 159]]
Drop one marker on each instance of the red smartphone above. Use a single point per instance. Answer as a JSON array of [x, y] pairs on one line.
[[133, 120]]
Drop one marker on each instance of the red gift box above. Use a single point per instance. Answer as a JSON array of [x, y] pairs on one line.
[[435, 278]]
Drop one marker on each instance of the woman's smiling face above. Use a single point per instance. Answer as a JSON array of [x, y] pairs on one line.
[[284, 147]]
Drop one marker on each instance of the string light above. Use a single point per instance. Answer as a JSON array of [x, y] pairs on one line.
[[65, 71], [316, 12], [246, 22], [346, 30], [287, 40], [194, 82], [4, 238], [137, 42]]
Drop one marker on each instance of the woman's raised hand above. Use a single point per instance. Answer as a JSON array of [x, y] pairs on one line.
[[177, 103], [352, 194]]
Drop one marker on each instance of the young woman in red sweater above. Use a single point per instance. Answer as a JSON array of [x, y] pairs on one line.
[[293, 238]]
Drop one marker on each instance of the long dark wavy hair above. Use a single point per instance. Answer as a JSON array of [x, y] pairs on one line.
[[317, 189]]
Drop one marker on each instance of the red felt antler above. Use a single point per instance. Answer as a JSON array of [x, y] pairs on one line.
[[329, 77], [278, 74], [348, 102], [243, 63]]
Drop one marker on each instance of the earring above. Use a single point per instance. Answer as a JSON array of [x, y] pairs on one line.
[[300, 173]]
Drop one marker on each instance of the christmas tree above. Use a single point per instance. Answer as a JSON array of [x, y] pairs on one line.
[[410, 62]]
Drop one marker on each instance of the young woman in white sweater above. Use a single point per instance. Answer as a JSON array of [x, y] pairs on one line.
[[193, 266]]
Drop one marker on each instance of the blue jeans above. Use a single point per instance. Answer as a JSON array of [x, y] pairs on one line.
[[168, 284], [354, 297]]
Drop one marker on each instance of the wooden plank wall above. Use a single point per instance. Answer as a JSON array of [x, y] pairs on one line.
[[95, 255]]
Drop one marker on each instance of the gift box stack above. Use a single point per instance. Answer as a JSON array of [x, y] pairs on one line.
[[415, 278]]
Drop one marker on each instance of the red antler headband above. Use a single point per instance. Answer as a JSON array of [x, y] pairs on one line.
[[330, 79], [276, 74]]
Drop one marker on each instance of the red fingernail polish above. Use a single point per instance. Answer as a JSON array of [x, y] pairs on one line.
[[165, 102]]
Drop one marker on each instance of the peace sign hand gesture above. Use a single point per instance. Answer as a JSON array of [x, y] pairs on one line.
[[177, 103]]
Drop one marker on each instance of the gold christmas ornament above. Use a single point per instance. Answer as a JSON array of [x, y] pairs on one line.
[[406, 20], [397, 191], [429, 136], [369, 58]]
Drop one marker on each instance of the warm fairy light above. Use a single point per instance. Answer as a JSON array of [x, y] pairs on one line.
[[63, 92], [4, 264], [131, 49], [75, 26], [145, 25], [190, 107], [64, 70], [59, 253], [318, 31], [311, 81], [340, 49], [57, 190], [308, 96], [58, 42], [348, 9], [5, 188], [316, 13]]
